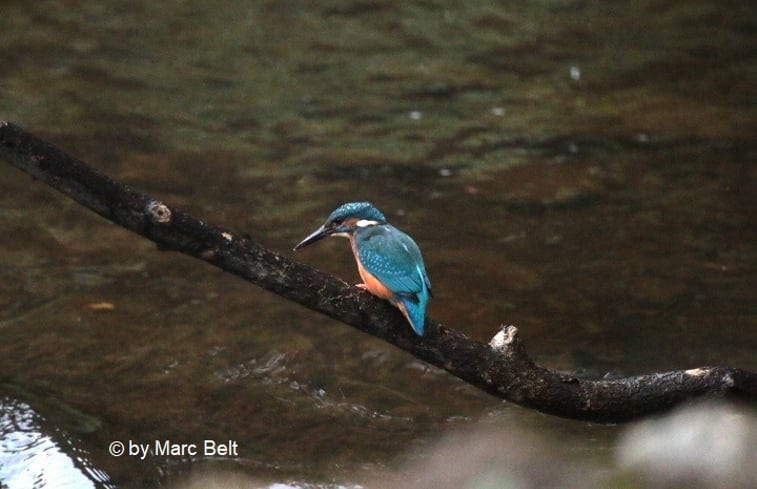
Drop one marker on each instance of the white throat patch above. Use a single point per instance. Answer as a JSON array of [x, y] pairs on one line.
[[364, 223]]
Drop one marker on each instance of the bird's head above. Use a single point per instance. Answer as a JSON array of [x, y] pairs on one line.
[[345, 220]]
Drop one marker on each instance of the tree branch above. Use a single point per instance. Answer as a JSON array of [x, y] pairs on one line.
[[502, 368]]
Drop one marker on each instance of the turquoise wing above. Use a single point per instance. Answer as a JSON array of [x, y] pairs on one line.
[[393, 258]]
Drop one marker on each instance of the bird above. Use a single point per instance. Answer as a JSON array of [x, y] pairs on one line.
[[388, 260]]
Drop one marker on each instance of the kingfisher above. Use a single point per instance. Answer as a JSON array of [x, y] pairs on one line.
[[388, 260]]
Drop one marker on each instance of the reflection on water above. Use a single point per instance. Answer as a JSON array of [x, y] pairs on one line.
[[583, 170], [32, 457]]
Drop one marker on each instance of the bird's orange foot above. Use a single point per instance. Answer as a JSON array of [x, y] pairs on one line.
[[361, 286]]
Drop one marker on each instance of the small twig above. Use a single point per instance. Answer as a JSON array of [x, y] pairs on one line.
[[502, 368]]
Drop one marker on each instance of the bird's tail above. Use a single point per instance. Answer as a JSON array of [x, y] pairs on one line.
[[414, 309]]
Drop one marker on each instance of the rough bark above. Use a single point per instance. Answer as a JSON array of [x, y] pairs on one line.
[[501, 368]]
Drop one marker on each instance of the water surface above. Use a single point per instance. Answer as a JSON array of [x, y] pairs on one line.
[[585, 171]]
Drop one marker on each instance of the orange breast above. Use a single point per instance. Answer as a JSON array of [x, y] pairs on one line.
[[373, 284]]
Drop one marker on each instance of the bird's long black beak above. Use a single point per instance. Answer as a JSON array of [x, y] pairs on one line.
[[316, 235]]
